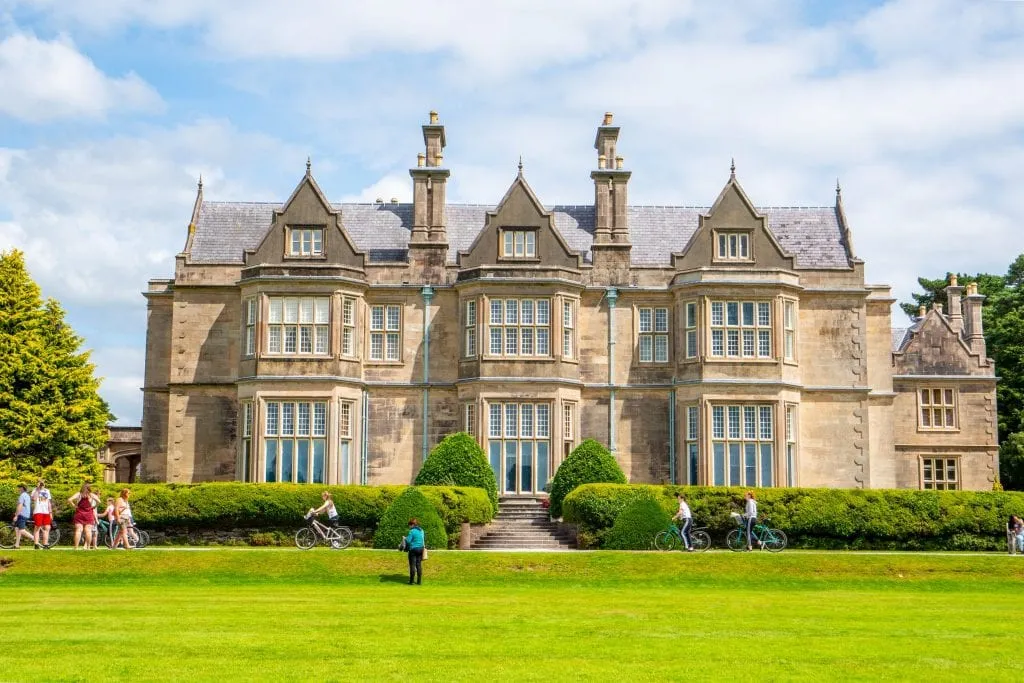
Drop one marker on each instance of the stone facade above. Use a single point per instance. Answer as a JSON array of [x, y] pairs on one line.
[[729, 345]]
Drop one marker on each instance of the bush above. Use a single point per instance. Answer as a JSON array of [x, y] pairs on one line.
[[637, 525], [589, 463], [394, 525], [823, 518], [459, 461], [182, 508]]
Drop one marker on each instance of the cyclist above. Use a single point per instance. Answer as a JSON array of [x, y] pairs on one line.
[[21, 516], [106, 520], [750, 514], [328, 507], [686, 519]]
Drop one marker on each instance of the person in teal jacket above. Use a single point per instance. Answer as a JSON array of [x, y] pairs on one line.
[[414, 544]]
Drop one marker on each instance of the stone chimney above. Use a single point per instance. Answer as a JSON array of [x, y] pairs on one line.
[[610, 187], [972, 315], [429, 179], [954, 299]]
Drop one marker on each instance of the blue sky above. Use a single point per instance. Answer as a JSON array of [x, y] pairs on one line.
[[110, 109]]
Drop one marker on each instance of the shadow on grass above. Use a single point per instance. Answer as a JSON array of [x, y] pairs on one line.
[[394, 578]]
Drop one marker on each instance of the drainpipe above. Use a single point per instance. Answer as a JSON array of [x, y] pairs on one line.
[[364, 466], [427, 293], [672, 436], [612, 295]]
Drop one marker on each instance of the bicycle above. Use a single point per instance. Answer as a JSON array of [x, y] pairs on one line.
[[672, 538], [337, 538], [772, 540], [137, 538], [8, 535]]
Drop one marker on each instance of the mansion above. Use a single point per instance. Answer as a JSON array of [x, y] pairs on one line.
[[731, 345]]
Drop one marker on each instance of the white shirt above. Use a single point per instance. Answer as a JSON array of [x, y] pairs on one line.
[[684, 510], [332, 511], [751, 508], [41, 500]]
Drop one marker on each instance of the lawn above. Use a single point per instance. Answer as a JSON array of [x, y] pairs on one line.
[[328, 615]]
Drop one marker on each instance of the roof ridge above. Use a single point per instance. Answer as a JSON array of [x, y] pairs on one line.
[[554, 205]]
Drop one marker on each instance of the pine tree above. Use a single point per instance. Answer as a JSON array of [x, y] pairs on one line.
[[51, 413]]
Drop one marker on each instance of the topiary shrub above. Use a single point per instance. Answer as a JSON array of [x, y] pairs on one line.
[[637, 525], [394, 524], [589, 463], [459, 461]]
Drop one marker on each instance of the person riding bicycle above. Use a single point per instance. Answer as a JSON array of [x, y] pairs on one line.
[[686, 519], [750, 514], [328, 507]]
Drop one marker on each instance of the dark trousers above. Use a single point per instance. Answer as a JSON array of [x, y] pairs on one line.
[[685, 531], [751, 521], [416, 565]]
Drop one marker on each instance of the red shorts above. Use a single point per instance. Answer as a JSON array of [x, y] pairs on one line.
[[42, 520]]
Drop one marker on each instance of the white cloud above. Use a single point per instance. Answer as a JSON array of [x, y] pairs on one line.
[[48, 80], [395, 185], [122, 369]]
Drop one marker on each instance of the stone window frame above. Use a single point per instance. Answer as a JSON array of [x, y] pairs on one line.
[[385, 331], [926, 464], [346, 437], [944, 408], [553, 310], [790, 335], [511, 428], [569, 431], [738, 411], [510, 232], [349, 347], [654, 333], [290, 233], [470, 327], [250, 322], [320, 329], [691, 443], [791, 417], [572, 304], [758, 330], [691, 330], [469, 421], [246, 429], [280, 433], [727, 234]]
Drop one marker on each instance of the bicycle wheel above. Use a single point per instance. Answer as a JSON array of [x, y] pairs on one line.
[[775, 541], [143, 538], [109, 537], [133, 537], [736, 541], [305, 538], [8, 534], [54, 537], [666, 540], [340, 538], [700, 541]]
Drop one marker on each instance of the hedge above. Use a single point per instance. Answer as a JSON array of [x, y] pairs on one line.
[[820, 518], [264, 506], [459, 461], [590, 462], [394, 525], [637, 525]]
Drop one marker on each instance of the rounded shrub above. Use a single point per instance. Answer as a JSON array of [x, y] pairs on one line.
[[459, 461], [394, 523], [637, 525], [589, 463]]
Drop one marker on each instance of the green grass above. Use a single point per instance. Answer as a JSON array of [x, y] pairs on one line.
[[289, 615]]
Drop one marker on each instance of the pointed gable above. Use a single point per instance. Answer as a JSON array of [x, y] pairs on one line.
[[933, 347], [733, 233], [519, 213], [307, 209]]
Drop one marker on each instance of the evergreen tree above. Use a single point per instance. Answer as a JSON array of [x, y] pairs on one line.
[[935, 290], [51, 415]]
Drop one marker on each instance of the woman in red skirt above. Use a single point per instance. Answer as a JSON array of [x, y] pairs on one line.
[[85, 502]]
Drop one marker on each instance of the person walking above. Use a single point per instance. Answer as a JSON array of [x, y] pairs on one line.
[[686, 521], [42, 514], [123, 514], [84, 502], [106, 521], [750, 513], [21, 516], [415, 544]]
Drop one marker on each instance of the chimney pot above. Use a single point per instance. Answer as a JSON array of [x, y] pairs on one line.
[[952, 280], [438, 159], [394, 200], [602, 161], [433, 116], [921, 311], [379, 200], [938, 308], [618, 163], [607, 119], [972, 288], [421, 159]]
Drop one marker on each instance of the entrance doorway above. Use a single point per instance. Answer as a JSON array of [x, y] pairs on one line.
[[519, 447]]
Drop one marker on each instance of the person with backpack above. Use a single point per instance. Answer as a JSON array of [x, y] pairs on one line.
[[416, 546], [686, 521]]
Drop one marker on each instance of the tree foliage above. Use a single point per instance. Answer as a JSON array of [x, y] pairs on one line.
[[52, 418], [589, 463], [459, 461], [935, 290]]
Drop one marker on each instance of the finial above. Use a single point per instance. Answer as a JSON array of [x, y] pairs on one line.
[[520, 164], [309, 165], [732, 169], [200, 181]]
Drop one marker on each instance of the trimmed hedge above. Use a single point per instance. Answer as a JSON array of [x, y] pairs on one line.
[[459, 461], [637, 525], [394, 525], [881, 519], [589, 463], [264, 506]]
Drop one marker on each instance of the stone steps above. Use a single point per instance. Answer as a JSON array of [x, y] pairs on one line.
[[523, 524]]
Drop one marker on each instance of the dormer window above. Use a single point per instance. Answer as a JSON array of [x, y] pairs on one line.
[[306, 242], [733, 246], [519, 244]]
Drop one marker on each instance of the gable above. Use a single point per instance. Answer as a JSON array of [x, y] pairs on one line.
[[519, 210], [733, 215], [934, 348]]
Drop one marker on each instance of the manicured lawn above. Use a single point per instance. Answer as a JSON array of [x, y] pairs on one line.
[[289, 615]]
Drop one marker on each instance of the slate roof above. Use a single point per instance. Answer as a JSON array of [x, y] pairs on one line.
[[224, 230], [901, 335]]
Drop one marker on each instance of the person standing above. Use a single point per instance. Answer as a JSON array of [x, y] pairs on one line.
[[21, 515], [42, 514], [415, 542], [686, 521], [85, 514], [750, 512]]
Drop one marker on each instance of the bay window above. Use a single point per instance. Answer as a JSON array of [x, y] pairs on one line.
[[741, 329], [298, 325], [520, 327]]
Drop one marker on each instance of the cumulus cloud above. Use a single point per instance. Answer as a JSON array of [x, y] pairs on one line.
[[46, 80]]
